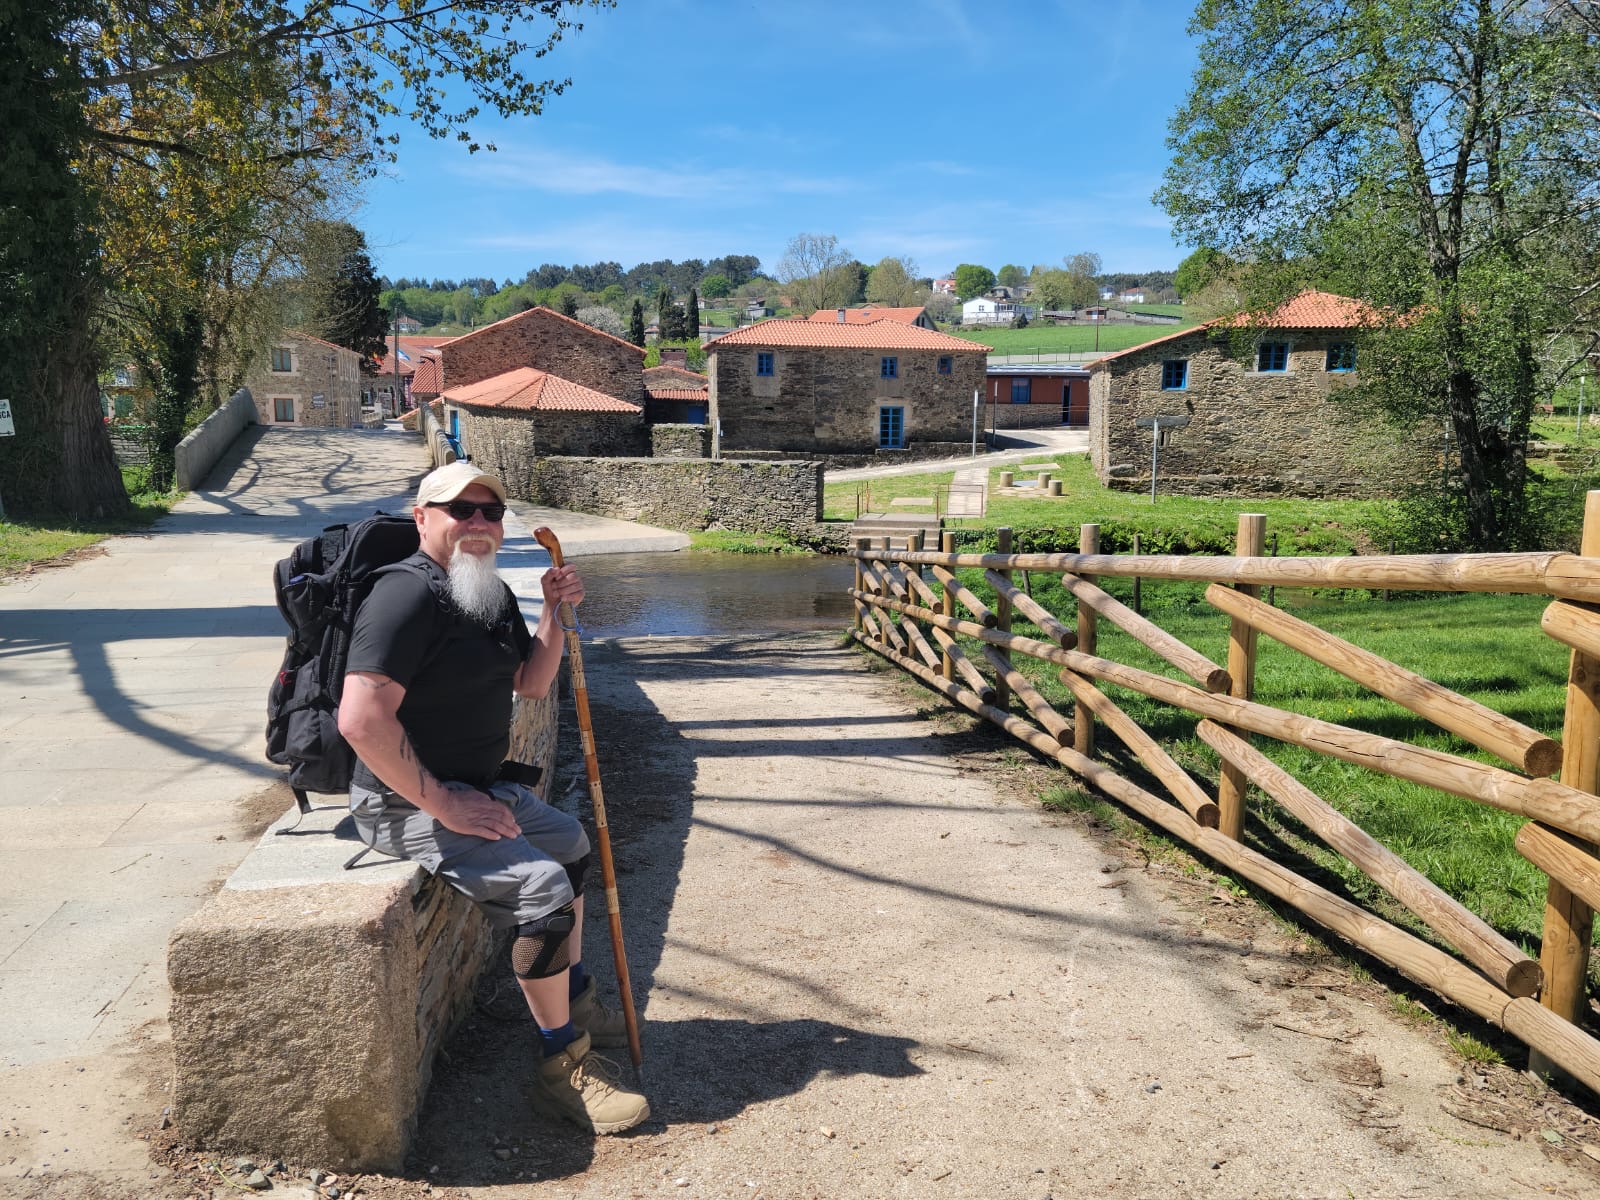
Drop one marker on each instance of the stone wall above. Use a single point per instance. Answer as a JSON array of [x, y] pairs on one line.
[[680, 441], [198, 452], [128, 446], [746, 497], [547, 341], [1250, 432], [826, 400], [510, 444], [323, 383], [1020, 416]]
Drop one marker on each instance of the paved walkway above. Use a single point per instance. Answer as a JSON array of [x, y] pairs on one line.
[[1013, 445], [133, 686]]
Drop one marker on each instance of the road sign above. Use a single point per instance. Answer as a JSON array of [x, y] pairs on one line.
[[8, 427]]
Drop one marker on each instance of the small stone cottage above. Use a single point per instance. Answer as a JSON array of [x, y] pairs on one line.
[[1260, 398], [538, 384], [834, 388]]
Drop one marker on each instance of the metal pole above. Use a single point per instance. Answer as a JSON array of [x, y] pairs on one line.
[[1155, 445], [1578, 428], [974, 422]]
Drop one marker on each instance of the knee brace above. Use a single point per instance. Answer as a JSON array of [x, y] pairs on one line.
[[541, 950], [575, 873]]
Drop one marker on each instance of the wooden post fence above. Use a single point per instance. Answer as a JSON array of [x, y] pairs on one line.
[[1002, 612], [1231, 787], [1082, 716]]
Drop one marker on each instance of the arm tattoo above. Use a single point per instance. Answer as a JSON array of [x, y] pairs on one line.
[[410, 755]]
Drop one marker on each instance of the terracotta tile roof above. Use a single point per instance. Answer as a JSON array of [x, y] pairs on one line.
[[385, 366], [877, 334], [671, 393], [860, 316], [668, 377], [428, 379], [414, 343], [527, 389], [1311, 309], [550, 312]]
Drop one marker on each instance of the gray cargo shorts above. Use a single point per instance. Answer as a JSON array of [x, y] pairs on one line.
[[513, 880]]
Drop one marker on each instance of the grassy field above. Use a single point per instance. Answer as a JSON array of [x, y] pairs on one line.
[[26, 541], [1303, 526], [1039, 338]]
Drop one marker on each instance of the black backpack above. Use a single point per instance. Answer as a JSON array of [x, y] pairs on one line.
[[319, 588]]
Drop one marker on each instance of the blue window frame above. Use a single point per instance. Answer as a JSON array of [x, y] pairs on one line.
[[1022, 391], [891, 428], [1272, 356], [947, 364], [764, 363], [1341, 356], [889, 367], [1175, 375]]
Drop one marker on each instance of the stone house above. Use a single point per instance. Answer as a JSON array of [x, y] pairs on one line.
[[822, 388], [1261, 397], [538, 384], [302, 380]]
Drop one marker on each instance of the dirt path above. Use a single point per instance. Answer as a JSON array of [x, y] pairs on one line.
[[871, 965]]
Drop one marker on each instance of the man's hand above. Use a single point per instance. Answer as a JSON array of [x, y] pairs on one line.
[[467, 810], [561, 584]]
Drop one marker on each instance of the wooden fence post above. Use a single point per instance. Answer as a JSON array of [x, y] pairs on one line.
[[1231, 784], [1002, 610], [1568, 921], [1082, 719], [947, 665], [862, 544]]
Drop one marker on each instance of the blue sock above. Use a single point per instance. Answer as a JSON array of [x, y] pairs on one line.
[[557, 1040], [577, 979]]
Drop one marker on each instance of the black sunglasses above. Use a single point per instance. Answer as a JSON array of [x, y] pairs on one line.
[[462, 510]]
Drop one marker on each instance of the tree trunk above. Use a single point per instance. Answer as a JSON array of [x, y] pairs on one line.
[[62, 461]]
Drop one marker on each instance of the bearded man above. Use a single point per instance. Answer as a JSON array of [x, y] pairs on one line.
[[439, 648]]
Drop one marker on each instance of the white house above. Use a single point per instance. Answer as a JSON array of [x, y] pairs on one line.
[[981, 310], [1135, 296]]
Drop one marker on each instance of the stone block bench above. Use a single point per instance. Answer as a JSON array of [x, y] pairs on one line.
[[309, 1002]]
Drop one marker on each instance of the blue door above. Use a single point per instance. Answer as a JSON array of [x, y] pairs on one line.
[[891, 428], [695, 414]]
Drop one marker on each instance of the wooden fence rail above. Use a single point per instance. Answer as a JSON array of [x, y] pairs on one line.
[[916, 622]]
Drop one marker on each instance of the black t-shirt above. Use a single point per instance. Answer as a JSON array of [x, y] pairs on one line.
[[457, 674]]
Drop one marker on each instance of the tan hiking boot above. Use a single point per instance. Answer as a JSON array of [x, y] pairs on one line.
[[604, 1027], [587, 1089]]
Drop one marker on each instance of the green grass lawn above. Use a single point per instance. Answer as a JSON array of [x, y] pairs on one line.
[[1302, 526], [29, 540], [1040, 338]]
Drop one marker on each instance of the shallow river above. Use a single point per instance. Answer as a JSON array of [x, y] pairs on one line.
[[634, 595]]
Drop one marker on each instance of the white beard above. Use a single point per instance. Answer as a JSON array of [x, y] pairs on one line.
[[475, 587]]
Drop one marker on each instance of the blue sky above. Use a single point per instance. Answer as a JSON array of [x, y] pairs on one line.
[[946, 130]]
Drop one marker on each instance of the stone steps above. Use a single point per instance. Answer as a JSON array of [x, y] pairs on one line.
[[897, 527]]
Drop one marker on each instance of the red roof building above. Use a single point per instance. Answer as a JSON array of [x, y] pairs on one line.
[[916, 315], [1250, 404]]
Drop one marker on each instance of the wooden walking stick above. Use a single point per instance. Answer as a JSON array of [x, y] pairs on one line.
[[567, 618]]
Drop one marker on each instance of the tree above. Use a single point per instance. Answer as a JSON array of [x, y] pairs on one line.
[[1198, 270], [715, 287], [603, 319], [232, 111], [1053, 289], [663, 307], [893, 283], [691, 312], [1436, 159], [818, 272], [972, 281], [1010, 276], [341, 292], [1083, 270], [636, 324]]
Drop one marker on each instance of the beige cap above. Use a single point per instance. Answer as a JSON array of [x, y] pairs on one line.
[[450, 480]]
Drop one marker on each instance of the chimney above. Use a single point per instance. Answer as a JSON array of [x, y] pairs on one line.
[[674, 356], [841, 316]]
